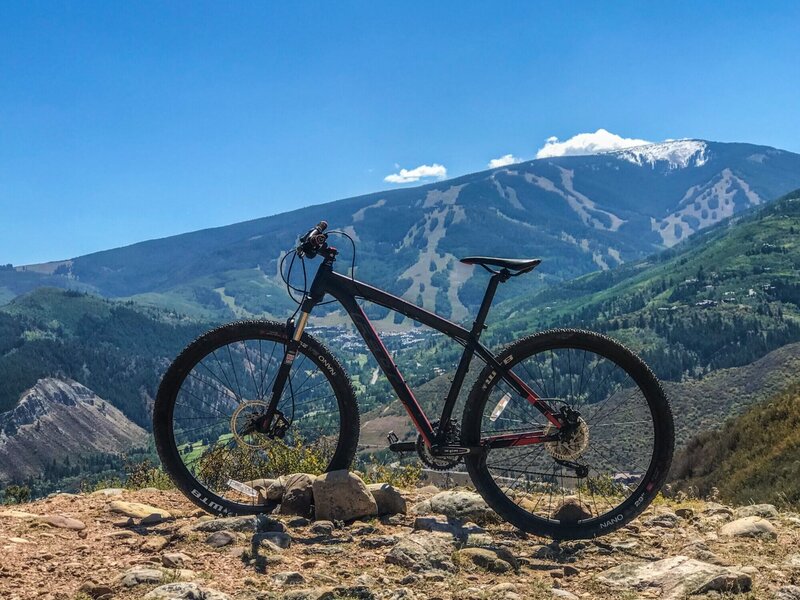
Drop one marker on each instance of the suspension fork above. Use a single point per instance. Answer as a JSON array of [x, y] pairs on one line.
[[295, 333]]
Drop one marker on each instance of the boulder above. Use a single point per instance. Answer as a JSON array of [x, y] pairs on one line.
[[389, 500], [423, 551], [467, 506], [766, 511], [493, 560], [342, 496], [677, 577], [139, 575], [667, 520], [242, 524], [137, 510], [298, 497], [749, 527], [788, 592], [218, 539], [63, 522], [572, 510]]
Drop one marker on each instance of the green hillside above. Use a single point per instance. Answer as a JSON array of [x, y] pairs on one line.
[[118, 350], [753, 458], [725, 298]]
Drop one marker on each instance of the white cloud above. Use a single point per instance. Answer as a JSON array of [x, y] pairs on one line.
[[587, 143], [504, 161], [421, 172]]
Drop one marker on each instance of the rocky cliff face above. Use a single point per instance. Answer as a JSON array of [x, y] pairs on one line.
[[58, 418], [120, 544]]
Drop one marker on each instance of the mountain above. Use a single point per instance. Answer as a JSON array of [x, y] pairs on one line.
[[116, 349], [578, 213], [754, 457], [59, 418], [724, 298]]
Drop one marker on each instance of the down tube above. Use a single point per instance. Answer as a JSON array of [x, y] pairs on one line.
[[388, 367]]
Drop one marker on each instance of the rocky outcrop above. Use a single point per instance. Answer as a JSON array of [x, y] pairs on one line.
[[58, 418]]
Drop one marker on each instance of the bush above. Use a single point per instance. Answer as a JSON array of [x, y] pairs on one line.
[[16, 494]]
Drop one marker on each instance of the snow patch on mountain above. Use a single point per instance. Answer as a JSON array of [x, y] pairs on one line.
[[678, 154]]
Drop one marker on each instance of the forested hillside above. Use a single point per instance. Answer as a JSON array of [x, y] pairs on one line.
[[117, 350], [755, 457], [724, 298]]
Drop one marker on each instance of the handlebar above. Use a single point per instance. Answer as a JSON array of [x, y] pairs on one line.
[[313, 241]]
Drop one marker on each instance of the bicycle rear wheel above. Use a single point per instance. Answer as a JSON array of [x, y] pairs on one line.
[[215, 389], [612, 463]]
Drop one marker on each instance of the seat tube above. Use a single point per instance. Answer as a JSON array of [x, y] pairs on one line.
[[474, 336]]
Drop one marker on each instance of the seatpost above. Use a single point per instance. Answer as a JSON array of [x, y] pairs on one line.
[[466, 357]]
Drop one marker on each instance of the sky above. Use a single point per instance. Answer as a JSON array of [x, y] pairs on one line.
[[126, 121]]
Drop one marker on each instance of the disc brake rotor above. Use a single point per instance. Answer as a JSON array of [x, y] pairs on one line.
[[242, 420], [573, 446]]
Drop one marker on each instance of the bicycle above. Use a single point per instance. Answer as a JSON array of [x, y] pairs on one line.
[[565, 433]]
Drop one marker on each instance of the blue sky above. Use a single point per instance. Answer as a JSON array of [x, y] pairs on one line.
[[125, 121]]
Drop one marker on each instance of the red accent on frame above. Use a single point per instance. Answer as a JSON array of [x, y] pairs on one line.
[[534, 399], [422, 430], [516, 439]]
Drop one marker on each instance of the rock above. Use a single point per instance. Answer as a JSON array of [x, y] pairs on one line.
[[322, 528], [685, 512], [63, 522], [174, 560], [342, 496], [749, 527], [423, 551], [792, 561], [139, 575], [467, 506], [504, 591], [678, 576], [389, 500], [766, 511], [96, 591], [299, 522], [667, 519], [261, 486], [18, 514], [572, 510], [154, 543], [788, 592], [491, 560], [184, 591], [218, 539], [137, 510], [298, 497], [378, 541], [108, 492], [563, 594], [281, 539], [323, 593], [447, 525], [244, 524], [717, 513], [276, 488], [289, 578]]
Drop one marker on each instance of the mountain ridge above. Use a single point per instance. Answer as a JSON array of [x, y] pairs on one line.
[[579, 213]]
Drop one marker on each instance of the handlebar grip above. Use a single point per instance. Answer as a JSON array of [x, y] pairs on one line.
[[321, 226]]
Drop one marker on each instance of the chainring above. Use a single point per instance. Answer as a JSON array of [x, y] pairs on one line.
[[440, 463]]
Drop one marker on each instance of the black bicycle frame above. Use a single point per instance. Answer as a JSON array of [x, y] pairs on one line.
[[347, 290]]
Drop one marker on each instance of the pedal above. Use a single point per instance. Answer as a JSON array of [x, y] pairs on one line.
[[395, 445]]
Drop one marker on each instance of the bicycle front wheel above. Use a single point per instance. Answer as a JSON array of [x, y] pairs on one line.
[[220, 385], [600, 475]]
